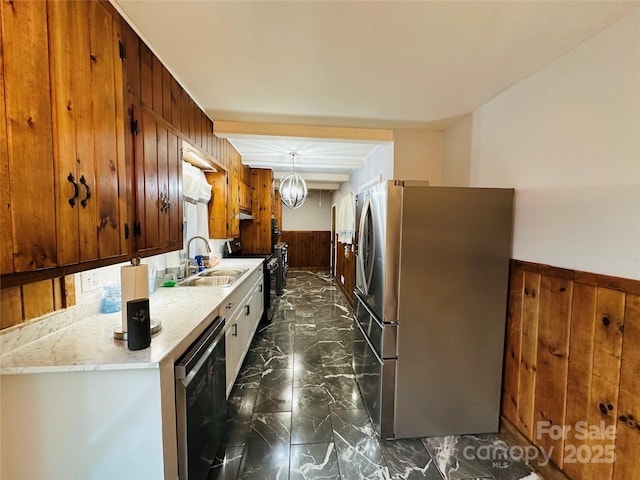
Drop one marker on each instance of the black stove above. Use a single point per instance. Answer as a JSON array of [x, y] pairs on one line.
[[270, 269]]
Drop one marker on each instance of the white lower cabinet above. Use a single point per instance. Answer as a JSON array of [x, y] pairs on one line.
[[242, 312]]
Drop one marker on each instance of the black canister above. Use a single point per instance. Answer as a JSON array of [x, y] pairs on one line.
[[138, 324]]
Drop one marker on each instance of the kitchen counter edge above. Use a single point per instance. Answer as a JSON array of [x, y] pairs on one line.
[[88, 345]]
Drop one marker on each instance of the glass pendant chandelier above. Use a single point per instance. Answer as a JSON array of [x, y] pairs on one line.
[[293, 188]]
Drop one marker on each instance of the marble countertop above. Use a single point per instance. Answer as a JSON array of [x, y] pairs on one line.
[[88, 344]]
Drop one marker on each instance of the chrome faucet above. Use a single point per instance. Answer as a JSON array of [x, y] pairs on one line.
[[188, 265]]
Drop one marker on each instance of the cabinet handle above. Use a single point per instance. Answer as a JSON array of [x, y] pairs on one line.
[[164, 202], [235, 330], [72, 200], [260, 287], [85, 200], [247, 309], [230, 305]]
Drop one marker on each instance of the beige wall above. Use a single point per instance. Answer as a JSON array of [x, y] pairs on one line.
[[568, 139], [417, 155], [314, 214], [456, 153]]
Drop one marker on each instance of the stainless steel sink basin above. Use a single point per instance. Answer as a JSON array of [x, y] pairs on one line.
[[198, 281], [221, 273], [209, 278]]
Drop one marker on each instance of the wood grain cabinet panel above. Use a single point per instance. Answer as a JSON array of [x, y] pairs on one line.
[[71, 72], [233, 205], [158, 164], [27, 95], [6, 240], [245, 196], [224, 208], [221, 208], [256, 233], [63, 96]]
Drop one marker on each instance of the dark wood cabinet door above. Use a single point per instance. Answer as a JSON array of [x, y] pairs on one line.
[[233, 206], [174, 212], [158, 165], [27, 97], [147, 194], [6, 237], [88, 131]]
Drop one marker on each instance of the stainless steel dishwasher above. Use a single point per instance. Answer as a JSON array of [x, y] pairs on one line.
[[201, 402]]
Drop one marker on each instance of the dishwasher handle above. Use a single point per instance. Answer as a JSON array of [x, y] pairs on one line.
[[196, 355]]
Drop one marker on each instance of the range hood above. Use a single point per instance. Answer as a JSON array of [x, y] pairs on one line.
[[245, 216]]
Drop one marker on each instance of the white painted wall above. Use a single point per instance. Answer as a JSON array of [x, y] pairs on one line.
[[314, 214], [417, 155], [568, 139], [378, 165], [456, 151]]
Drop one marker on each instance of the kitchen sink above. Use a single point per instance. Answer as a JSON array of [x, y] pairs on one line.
[[221, 273], [211, 278]]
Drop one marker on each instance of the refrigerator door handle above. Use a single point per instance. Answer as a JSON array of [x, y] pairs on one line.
[[366, 270]]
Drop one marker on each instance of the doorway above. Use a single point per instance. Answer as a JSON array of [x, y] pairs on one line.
[[332, 265]]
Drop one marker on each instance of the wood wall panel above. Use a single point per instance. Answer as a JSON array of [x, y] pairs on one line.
[[527, 382], [552, 359], [582, 369], [627, 465], [345, 273], [11, 307], [630, 361], [308, 250], [513, 351], [628, 422], [26, 302], [37, 298]]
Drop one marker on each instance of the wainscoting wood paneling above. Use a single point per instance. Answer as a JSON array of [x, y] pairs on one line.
[[572, 354], [32, 300], [309, 249], [346, 271]]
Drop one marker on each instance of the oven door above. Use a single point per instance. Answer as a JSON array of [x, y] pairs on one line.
[[375, 376], [201, 403]]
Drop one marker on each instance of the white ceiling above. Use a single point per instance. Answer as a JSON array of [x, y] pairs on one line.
[[382, 64]]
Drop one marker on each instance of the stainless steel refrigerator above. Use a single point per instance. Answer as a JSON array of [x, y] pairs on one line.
[[432, 267]]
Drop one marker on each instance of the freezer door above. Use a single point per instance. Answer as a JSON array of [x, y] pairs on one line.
[[376, 380]]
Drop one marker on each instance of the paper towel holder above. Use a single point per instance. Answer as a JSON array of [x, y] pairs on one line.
[[156, 325], [118, 334]]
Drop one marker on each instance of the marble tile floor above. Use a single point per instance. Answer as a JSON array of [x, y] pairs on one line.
[[296, 413]]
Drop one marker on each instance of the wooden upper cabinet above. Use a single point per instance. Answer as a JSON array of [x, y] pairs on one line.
[[64, 138], [131, 63], [6, 240], [245, 196], [233, 207], [176, 108], [158, 164], [88, 131], [224, 208], [28, 134], [146, 76]]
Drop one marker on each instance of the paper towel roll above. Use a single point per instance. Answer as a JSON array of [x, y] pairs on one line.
[[134, 284]]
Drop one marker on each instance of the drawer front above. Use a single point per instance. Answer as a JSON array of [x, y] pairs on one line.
[[382, 336]]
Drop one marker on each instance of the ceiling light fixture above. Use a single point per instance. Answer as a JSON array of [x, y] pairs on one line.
[[293, 188]]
